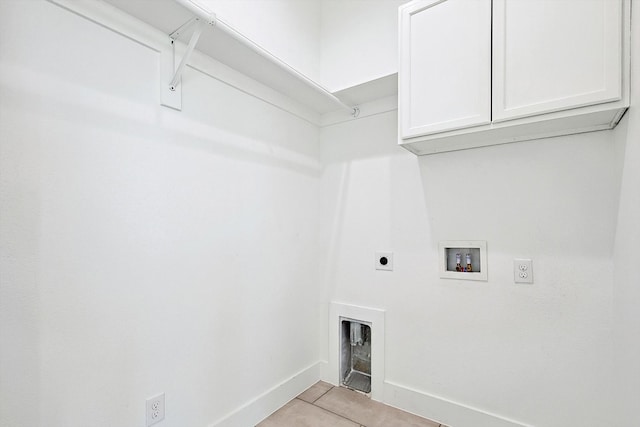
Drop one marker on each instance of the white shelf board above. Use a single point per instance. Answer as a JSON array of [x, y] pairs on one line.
[[372, 97], [167, 16], [372, 90]]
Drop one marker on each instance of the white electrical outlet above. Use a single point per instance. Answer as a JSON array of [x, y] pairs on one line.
[[155, 409], [522, 271], [384, 261]]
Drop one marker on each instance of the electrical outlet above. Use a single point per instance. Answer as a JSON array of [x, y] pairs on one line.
[[384, 261], [155, 409], [522, 271]]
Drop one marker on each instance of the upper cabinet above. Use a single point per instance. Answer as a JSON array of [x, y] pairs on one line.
[[554, 55], [481, 72], [446, 58]]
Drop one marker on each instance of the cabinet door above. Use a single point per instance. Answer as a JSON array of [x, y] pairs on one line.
[[552, 55], [445, 65]]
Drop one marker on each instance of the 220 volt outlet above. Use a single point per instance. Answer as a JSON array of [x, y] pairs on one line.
[[384, 261], [522, 271]]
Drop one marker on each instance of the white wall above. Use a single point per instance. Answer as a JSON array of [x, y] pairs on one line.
[[627, 279], [144, 250], [289, 29], [538, 354], [359, 41], [338, 43], [561, 352]]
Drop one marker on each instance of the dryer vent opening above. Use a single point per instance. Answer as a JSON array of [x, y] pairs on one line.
[[355, 355]]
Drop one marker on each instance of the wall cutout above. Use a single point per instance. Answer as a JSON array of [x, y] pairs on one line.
[[355, 355], [371, 351], [463, 259]]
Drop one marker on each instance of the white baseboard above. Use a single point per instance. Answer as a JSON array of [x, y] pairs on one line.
[[325, 374], [432, 407], [442, 410], [260, 407], [417, 402]]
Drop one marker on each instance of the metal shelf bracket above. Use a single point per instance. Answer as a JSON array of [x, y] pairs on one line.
[[171, 93], [184, 27], [175, 81]]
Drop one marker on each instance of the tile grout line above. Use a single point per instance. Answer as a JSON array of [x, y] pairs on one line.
[[328, 410], [356, 423], [349, 419], [331, 412], [319, 397]]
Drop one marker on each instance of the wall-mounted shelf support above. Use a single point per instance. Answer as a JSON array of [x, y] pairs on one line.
[[171, 93], [182, 29], [192, 44], [278, 68], [241, 53]]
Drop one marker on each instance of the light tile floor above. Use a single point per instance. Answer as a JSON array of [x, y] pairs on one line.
[[323, 405]]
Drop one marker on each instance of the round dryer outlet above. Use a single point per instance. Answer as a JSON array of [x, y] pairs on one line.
[[384, 261]]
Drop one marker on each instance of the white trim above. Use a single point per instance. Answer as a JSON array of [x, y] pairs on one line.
[[373, 316], [115, 20], [442, 410], [325, 375], [585, 119], [260, 407]]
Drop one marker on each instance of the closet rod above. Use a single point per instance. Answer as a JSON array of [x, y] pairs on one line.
[[211, 19]]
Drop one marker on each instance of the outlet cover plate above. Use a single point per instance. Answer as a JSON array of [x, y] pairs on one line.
[[523, 271], [155, 409]]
